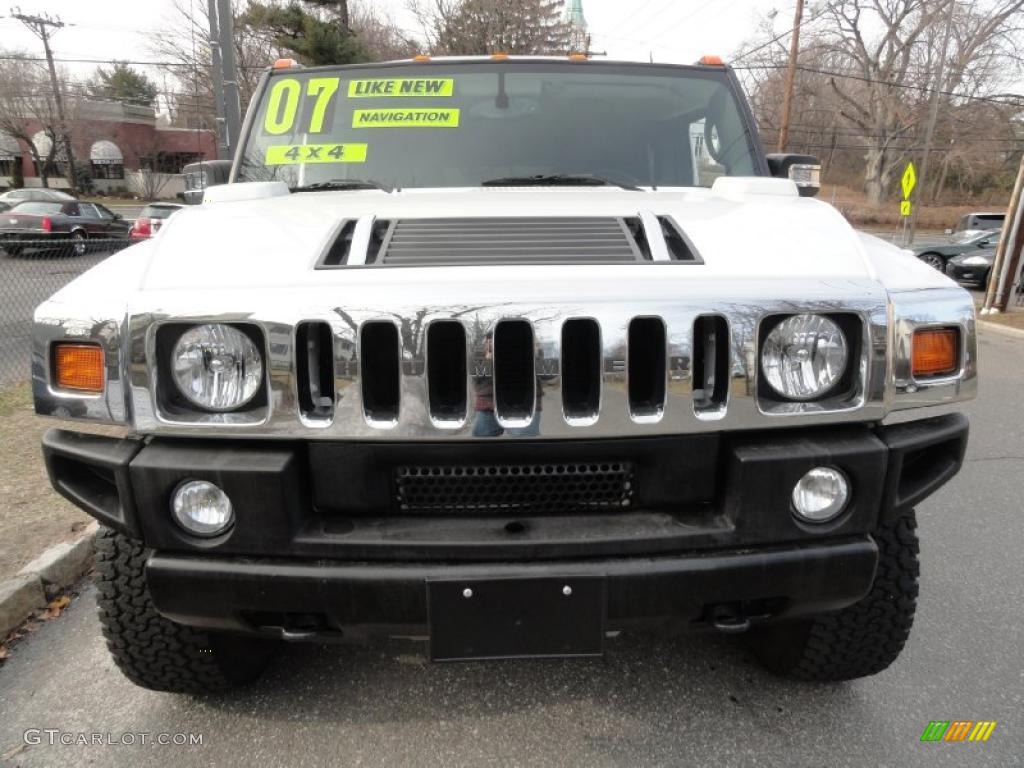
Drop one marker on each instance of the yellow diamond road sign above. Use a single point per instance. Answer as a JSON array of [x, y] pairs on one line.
[[909, 181]]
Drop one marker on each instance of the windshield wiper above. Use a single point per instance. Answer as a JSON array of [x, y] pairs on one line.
[[558, 179], [341, 184]]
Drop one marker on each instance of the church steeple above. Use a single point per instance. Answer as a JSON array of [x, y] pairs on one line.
[[579, 40]]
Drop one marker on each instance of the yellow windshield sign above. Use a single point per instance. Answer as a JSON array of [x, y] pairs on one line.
[[403, 86], [296, 154], [419, 117]]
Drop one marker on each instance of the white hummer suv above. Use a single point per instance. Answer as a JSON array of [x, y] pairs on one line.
[[509, 354]]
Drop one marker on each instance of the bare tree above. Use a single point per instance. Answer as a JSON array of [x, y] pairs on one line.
[[183, 42], [27, 107], [380, 36], [868, 70], [467, 27]]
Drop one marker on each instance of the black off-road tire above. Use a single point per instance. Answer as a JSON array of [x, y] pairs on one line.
[[862, 639], [153, 651]]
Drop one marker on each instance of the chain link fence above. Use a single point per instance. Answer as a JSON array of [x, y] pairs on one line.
[[32, 270]]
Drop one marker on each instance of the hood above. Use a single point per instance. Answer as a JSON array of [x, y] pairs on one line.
[[740, 228]]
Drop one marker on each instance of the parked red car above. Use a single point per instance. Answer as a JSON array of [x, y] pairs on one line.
[[150, 220]]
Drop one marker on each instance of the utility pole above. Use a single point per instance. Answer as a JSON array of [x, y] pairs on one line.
[[1006, 265], [787, 97], [929, 131], [40, 25], [223, 143], [232, 105]]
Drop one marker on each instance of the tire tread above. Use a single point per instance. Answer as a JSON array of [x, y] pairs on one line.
[[150, 650], [864, 638]]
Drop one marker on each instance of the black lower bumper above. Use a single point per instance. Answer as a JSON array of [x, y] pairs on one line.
[[322, 598], [337, 537]]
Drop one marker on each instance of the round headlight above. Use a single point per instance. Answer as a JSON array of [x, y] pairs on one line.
[[820, 495], [804, 356], [201, 508], [217, 367]]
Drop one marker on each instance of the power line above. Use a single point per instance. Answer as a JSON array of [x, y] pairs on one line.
[[134, 62], [909, 86], [814, 16], [41, 26]]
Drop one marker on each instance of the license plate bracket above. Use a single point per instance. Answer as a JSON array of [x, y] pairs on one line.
[[516, 618]]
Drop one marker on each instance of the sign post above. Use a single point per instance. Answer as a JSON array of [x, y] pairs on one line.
[[908, 182]]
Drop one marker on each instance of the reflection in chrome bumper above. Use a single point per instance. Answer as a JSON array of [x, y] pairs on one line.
[[882, 384]]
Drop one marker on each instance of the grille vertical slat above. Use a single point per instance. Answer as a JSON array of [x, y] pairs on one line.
[[314, 364], [646, 369], [379, 371], [581, 369], [514, 379], [710, 364], [446, 370]]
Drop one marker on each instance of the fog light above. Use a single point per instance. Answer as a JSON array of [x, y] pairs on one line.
[[202, 509], [821, 495]]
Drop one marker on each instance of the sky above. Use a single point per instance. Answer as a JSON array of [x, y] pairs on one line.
[[677, 31]]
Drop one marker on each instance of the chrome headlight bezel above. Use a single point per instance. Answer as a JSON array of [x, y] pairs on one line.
[[846, 329], [174, 397]]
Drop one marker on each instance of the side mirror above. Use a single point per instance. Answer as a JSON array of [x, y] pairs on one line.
[[118, 217], [803, 170]]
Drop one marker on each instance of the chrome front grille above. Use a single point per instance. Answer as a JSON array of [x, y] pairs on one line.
[[576, 362], [498, 379]]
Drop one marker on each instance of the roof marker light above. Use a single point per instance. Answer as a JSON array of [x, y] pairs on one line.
[[285, 64], [711, 61], [421, 58]]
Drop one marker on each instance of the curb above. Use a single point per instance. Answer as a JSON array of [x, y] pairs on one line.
[[59, 566], [1002, 330]]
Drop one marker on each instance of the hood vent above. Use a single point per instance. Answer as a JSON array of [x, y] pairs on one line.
[[512, 240], [357, 242]]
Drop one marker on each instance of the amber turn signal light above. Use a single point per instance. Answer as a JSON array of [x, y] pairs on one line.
[[78, 367], [936, 352]]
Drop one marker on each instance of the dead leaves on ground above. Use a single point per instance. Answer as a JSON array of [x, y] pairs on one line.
[[55, 607], [52, 611]]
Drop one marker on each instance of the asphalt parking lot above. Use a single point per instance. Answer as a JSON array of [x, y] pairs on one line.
[[696, 700]]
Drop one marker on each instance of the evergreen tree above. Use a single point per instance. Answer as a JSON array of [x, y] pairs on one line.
[[123, 84], [474, 27], [316, 31]]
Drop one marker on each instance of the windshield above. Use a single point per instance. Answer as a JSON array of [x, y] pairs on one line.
[[974, 236], [157, 211], [457, 124], [37, 207]]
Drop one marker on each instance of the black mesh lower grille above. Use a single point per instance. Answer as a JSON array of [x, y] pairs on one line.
[[520, 488]]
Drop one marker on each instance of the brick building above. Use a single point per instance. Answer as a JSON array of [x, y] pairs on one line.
[[121, 144]]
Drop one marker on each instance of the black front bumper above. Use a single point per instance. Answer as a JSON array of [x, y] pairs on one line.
[[973, 275], [323, 543]]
